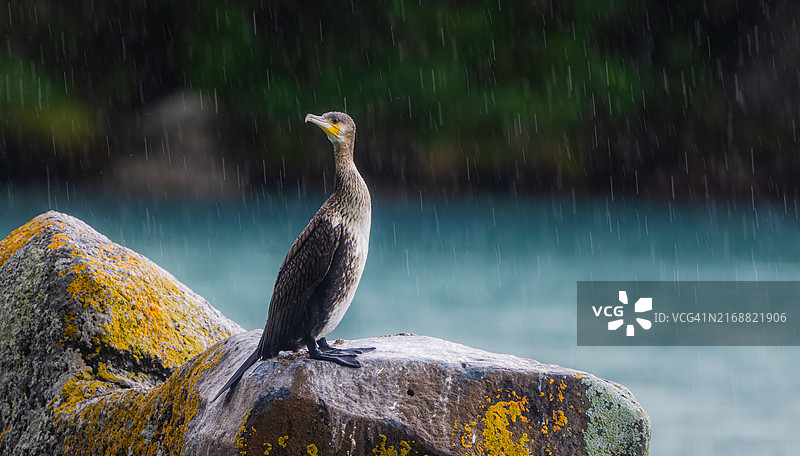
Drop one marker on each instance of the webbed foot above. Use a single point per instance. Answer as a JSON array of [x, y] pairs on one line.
[[327, 349], [334, 355]]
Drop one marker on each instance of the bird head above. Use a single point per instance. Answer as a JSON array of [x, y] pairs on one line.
[[337, 125]]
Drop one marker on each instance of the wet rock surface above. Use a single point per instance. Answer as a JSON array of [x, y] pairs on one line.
[[85, 322], [103, 352], [414, 395]]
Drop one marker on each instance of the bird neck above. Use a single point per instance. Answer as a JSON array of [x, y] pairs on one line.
[[349, 190], [343, 154]]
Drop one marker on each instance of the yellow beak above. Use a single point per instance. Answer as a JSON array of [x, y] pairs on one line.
[[330, 129]]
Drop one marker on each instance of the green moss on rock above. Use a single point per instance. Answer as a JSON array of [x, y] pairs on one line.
[[614, 427]]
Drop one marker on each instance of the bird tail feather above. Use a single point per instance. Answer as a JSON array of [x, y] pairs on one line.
[[238, 375]]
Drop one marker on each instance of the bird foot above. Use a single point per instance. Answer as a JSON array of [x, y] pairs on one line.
[[342, 360], [342, 356], [324, 347]]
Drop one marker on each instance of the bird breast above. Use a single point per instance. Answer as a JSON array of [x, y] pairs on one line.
[[354, 246], [352, 205]]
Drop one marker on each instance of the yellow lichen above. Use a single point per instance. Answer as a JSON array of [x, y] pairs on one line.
[[140, 309], [282, 441], [70, 329], [311, 449], [382, 450], [106, 376], [239, 440], [77, 389], [98, 421], [19, 237], [468, 439], [506, 427], [58, 241], [148, 313], [497, 437]]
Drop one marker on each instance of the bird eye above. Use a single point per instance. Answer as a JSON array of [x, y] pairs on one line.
[[335, 120]]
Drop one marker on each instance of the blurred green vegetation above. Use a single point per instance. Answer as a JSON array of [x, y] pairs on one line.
[[36, 103], [528, 95]]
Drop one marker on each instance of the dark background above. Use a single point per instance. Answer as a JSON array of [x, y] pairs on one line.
[[205, 99]]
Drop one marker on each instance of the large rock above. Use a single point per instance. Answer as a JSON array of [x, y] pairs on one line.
[[414, 395], [85, 322], [93, 339]]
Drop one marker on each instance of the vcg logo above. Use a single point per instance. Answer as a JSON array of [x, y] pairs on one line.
[[617, 312]]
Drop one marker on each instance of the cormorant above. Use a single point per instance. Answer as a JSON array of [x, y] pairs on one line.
[[319, 276]]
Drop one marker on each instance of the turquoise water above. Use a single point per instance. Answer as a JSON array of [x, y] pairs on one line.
[[499, 274]]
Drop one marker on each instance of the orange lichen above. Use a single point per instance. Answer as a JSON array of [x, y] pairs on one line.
[[558, 393], [560, 419]]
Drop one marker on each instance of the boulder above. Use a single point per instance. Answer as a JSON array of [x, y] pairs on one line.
[[414, 395], [103, 352], [86, 324]]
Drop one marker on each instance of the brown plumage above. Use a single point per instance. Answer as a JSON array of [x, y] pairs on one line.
[[320, 274]]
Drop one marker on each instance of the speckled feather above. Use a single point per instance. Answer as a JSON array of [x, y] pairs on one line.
[[305, 266]]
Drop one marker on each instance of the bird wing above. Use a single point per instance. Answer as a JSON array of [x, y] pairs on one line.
[[304, 267]]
